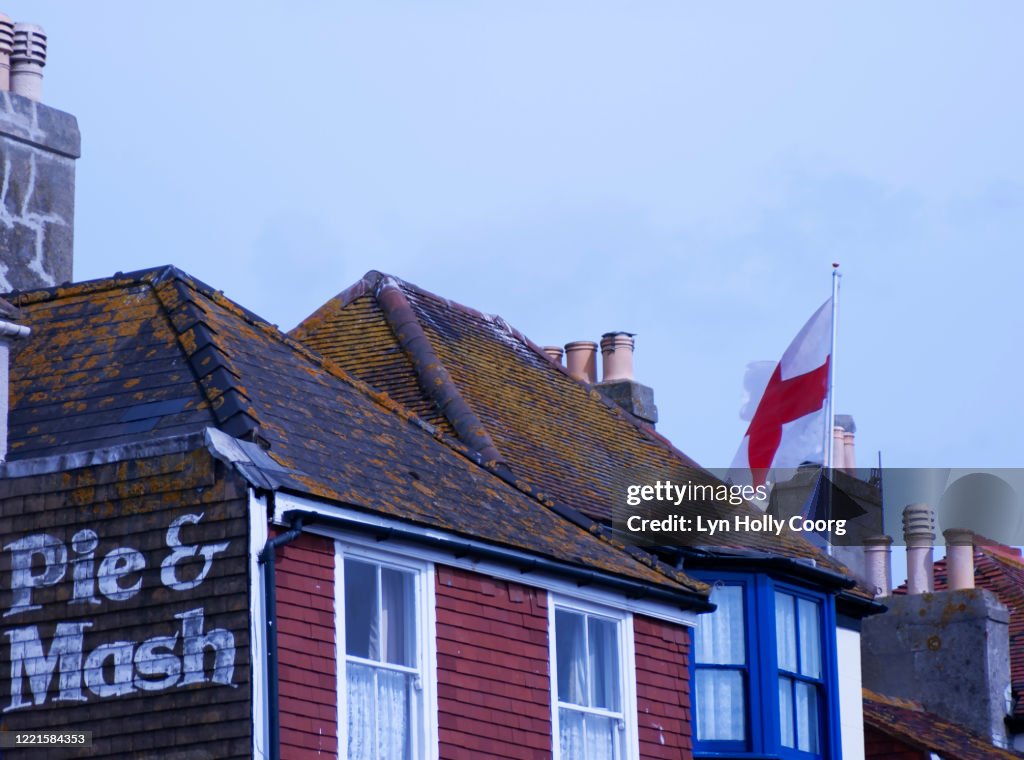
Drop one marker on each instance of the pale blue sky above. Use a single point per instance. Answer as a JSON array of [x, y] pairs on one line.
[[686, 171]]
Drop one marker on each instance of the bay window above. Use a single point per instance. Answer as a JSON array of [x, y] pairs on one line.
[[720, 653], [798, 653], [764, 671]]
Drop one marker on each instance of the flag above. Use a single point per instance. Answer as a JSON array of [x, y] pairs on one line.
[[787, 427]]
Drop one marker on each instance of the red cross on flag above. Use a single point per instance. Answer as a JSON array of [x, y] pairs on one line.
[[787, 428]]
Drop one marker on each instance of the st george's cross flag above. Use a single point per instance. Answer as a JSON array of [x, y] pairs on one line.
[[787, 427]]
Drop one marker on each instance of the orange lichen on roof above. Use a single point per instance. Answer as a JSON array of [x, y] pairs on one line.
[[192, 358], [558, 437]]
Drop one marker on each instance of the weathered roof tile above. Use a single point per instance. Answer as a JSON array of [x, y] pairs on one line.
[[157, 353]]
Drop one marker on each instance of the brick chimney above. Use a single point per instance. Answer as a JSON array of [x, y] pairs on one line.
[[617, 382], [38, 149]]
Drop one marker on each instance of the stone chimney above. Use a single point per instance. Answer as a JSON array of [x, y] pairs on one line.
[[38, 149], [950, 651], [617, 382]]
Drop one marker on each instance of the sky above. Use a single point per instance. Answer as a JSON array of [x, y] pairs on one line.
[[685, 171]]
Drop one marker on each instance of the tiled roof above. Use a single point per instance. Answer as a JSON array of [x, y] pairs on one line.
[[504, 398], [1000, 569], [911, 725], [157, 353]]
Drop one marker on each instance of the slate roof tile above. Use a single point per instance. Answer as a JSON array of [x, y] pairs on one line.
[[504, 398], [155, 353], [909, 723]]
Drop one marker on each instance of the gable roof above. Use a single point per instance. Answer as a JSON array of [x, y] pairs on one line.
[[477, 377], [158, 353], [909, 723]]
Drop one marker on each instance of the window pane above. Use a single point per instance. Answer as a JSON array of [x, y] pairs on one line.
[[786, 712], [398, 621], [571, 657], [807, 716], [379, 704], [570, 735], [721, 634], [810, 638], [393, 702], [602, 735], [604, 664], [361, 710], [785, 631], [362, 630], [721, 705]]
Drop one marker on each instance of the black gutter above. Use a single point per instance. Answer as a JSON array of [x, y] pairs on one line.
[[683, 598], [267, 557], [797, 568]]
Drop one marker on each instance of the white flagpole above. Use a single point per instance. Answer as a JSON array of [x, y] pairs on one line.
[[830, 417]]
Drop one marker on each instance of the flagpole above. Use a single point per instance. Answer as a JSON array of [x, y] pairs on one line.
[[830, 417]]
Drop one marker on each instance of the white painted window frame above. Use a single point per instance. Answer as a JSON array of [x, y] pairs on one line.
[[426, 637], [627, 664]]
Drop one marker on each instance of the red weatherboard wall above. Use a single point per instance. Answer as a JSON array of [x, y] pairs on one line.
[[494, 696], [306, 648], [878, 746], [663, 689]]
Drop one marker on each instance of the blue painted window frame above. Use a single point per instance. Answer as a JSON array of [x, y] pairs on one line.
[[764, 739]]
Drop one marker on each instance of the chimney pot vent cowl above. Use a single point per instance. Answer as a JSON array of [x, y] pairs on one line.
[[28, 57]]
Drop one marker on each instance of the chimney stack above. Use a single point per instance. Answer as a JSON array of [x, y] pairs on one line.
[[617, 383], [842, 444], [581, 360], [919, 535], [950, 651], [38, 148], [878, 561], [28, 58], [959, 558], [554, 353]]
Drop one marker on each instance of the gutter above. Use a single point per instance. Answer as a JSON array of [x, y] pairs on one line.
[[461, 548], [268, 558]]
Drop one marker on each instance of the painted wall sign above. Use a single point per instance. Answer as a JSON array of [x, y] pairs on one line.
[[73, 667]]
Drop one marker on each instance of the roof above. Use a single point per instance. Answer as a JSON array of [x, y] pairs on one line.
[[1000, 569], [476, 377], [157, 353], [909, 723]]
